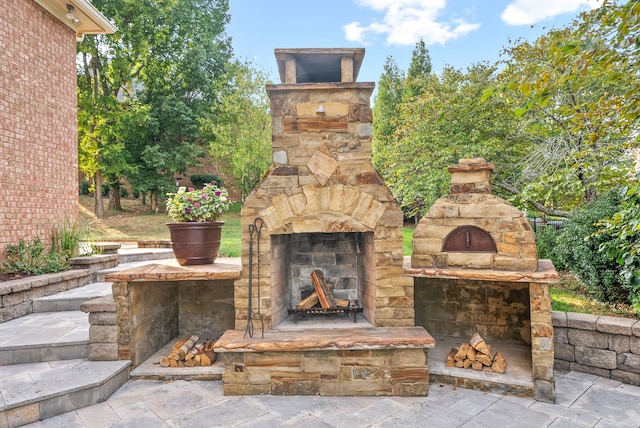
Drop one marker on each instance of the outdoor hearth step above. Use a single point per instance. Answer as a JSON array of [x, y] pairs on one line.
[[31, 392], [46, 336], [326, 338], [71, 300]]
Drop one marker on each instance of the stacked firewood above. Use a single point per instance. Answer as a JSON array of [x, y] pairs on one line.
[[477, 355], [189, 352], [322, 295]]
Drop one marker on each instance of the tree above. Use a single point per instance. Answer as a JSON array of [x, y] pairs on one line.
[[444, 124], [385, 117], [575, 87], [239, 128], [160, 73]]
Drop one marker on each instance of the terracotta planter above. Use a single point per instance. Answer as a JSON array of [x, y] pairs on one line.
[[195, 243]]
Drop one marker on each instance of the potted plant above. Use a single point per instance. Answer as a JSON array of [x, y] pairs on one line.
[[195, 232]]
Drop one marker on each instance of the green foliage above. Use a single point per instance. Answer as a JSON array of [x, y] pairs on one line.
[[574, 92], [144, 89], [546, 242], [579, 251], [239, 129], [619, 235], [66, 239], [85, 187], [199, 180], [32, 258], [206, 204]]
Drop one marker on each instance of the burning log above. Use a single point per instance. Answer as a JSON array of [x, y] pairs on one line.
[[186, 352], [477, 355]]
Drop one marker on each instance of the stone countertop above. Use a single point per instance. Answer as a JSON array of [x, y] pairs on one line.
[[323, 339], [546, 273], [170, 270]]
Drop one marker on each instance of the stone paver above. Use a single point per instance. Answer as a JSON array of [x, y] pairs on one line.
[[584, 400]]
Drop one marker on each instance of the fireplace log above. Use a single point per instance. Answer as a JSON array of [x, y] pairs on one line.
[[324, 293], [164, 361], [499, 364], [450, 358], [193, 351], [309, 302], [463, 350], [186, 346], [478, 343]]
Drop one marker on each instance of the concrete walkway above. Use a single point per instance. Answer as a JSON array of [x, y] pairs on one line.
[[583, 400]]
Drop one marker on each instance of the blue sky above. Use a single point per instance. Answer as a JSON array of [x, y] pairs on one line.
[[457, 32]]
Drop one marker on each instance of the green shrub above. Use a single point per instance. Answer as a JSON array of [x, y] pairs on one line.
[[66, 239], [199, 180], [85, 187], [621, 235], [546, 241], [123, 192], [576, 250], [32, 258]]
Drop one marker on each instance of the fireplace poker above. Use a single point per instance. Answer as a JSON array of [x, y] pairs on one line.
[[254, 232]]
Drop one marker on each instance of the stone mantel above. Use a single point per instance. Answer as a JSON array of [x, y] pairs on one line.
[[546, 273], [170, 270]]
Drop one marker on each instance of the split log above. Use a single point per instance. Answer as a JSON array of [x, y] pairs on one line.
[[189, 363], [309, 302], [313, 300], [471, 354], [173, 356], [450, 361], [193, 351], [467, 363], [477, 342], [463, 350], [164, 361], [186, 346], [342, 303], [499, 364], [176, 346], [477, 365], [484, 359], [324, 293]]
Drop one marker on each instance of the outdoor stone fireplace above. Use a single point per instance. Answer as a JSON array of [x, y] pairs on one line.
[[323, 207], [323, 204]]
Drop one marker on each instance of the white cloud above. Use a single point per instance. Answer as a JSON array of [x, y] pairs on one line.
[[527, 12], [406, 21]]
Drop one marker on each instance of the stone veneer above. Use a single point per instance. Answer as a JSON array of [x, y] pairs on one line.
[[322, 181], [337, 362]]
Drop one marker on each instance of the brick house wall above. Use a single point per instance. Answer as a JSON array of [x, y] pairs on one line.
[[38, 123]]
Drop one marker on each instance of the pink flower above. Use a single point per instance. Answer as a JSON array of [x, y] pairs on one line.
[[196, 204], [191, 189]]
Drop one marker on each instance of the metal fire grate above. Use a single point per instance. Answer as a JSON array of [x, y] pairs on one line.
[[352, 309]]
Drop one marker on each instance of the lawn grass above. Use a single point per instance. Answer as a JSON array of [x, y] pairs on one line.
[[137, 222]]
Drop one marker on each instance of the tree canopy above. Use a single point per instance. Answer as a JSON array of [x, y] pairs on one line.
[[144, 89], [558, 116]]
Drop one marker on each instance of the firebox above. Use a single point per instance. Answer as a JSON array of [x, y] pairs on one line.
[[323, 205]]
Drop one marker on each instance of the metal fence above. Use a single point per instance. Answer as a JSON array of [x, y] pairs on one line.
[[540, 222]]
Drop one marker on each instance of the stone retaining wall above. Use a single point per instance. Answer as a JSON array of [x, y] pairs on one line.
[[16, 296], [600, 345]]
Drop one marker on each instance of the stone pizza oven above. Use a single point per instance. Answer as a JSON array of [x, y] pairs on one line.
[[476, 270], [471, 228]]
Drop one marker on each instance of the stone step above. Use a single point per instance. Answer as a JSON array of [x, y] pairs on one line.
[[71, 300], [46, 336], [31, 392]]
